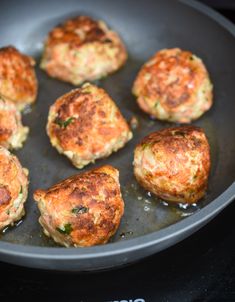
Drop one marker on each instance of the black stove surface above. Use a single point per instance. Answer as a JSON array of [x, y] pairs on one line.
[[200, 268]]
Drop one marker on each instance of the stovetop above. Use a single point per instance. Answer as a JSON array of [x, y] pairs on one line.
[[200, 268]]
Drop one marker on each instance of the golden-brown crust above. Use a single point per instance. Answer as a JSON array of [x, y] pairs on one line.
[[171, 79], [18, 81], [9, 169], [89, 202], [82, 49], [8, 121], [13, 184], [177, 90], [174, 163], [12, 132], [5, 132], [5, 196], [87, 122], [76, 32]]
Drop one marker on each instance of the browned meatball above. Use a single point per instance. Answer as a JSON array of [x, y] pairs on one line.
[[82, 49], [18, 81], [85, 124], [13, 188], [174, 163], [12, 132], [174, 85], [82, 210]]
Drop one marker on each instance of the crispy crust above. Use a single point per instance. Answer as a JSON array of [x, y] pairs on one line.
[[18, 81], [13, 188], [90, 202], [82, 49], [85, 124], [78, 31], [12, 132], [174, 85], [174, 163]]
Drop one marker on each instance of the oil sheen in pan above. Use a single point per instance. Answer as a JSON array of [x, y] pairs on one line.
[[144, 213]]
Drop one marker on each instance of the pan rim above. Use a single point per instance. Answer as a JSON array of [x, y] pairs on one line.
[[111, 249], [144, 241]]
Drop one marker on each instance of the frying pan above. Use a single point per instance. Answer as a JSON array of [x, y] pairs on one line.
[[149, 225]]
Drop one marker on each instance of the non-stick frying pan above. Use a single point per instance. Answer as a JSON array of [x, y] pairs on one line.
[[149, 225]]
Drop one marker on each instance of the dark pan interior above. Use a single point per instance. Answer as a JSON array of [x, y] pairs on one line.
[[145, 26]]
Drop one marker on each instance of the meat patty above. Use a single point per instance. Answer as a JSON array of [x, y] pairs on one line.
[[85, 124], [174, 163], [13, 188], [12, 132], [82, 210], [18, 82], [174, 85], [82, 49]]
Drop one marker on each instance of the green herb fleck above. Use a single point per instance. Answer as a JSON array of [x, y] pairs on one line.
[[86, 88], [181, 133], [63, 124], [156, 104], [191, 192], [86, 92], [145, 145], [66, 229], [21, 190], [68, 121], [79, 210]]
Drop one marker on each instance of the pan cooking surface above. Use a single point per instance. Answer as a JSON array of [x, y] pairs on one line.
[[146, 27]]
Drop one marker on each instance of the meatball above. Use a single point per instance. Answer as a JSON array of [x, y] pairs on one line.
[[12, 132], [174, 163], [84, 209], [82, 49], [174, 85], [85, 124], [18, 81], [13, 188]]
